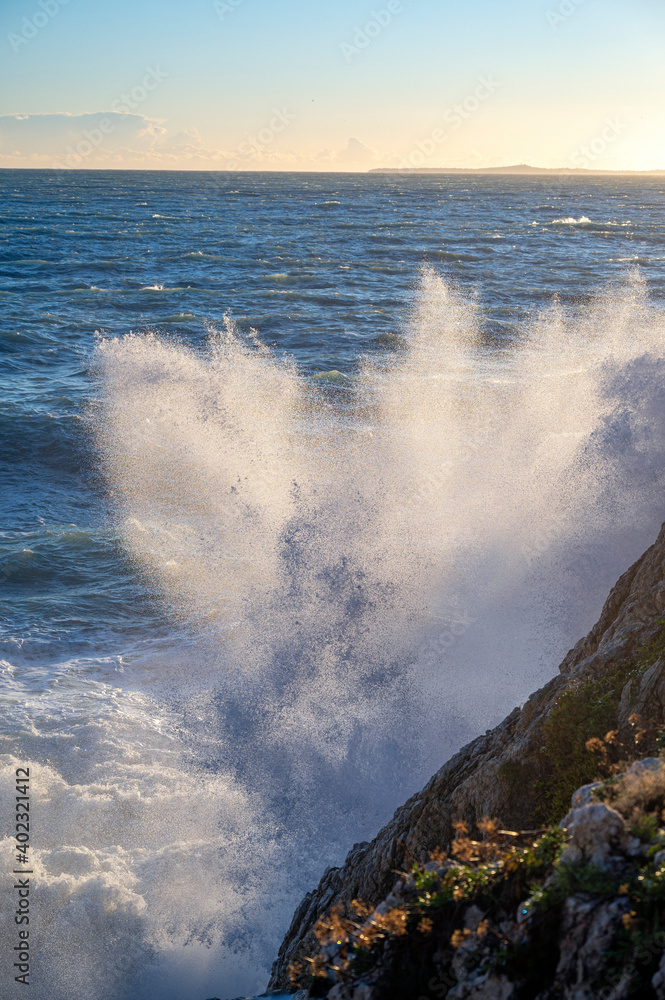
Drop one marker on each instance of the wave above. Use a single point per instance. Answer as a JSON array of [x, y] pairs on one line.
[[377, 570], [125, 836], [200, 255], [571, 221], [584, 221]]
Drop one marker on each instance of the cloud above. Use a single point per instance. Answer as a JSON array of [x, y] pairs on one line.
[[189, 140], [357, 154], [128, 139], [76, 139], [102, 139]]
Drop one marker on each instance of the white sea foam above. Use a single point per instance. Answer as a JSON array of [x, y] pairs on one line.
[[378, 571], [123, 839], [571, 221], [584, 221]]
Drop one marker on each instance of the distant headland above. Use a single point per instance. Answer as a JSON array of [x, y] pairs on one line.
[[520, 168]]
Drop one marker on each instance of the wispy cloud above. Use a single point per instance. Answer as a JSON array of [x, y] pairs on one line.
[[128, 139], [93, 137]]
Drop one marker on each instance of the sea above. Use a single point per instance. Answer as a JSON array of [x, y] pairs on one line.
[[307, 480]]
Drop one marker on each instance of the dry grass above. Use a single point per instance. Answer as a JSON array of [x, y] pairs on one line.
[[635, 794]]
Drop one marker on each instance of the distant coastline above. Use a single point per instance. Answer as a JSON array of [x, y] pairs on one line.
[[520, 169]]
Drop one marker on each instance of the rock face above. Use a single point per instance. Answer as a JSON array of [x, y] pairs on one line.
[[596, 831], [497, 775], [589, 929], [572, 912]]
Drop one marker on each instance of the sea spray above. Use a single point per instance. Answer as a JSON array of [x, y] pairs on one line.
[[373, 571], [325, 540]]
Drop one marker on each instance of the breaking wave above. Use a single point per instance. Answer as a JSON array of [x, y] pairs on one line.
[[362, 573]]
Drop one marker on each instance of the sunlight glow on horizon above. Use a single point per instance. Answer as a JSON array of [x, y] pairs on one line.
[[250, 84]]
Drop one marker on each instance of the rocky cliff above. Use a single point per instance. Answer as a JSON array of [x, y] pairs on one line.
[[524, 771], [571, 912]]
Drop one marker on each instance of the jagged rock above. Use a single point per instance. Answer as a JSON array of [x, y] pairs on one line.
[[484, 987], [565, 948], [589, 928], [473, 979], [645, 766], [467, 958], [658, 981], [361, 991], [584, 795], [472, 918], [472, 785], [596, 831], [647, 690]]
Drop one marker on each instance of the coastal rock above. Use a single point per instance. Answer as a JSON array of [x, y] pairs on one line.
[[497, 774], [589, 928], [658, 981], [596, 831], [360, 991], [585, 930], [484, 988], [584, 795]]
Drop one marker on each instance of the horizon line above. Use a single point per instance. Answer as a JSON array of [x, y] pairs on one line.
[[521, 169]]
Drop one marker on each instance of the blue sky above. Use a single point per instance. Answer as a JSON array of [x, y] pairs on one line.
[[316, 84]]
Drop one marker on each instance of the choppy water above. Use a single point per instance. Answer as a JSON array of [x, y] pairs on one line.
[[307, 480]]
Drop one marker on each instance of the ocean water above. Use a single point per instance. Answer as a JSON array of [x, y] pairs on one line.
[[307, 480]]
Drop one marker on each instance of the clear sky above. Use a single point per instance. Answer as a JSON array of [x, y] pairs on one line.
[[332, 84]]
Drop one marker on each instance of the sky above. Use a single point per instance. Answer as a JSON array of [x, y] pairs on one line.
[[332, 84]]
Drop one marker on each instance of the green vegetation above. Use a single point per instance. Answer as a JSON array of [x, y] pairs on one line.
[[653, 650], [501, 874], [646, 827], [504, 872], [586, 712], [510, 772], [478, 880], [569, 879], [494, 874]]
